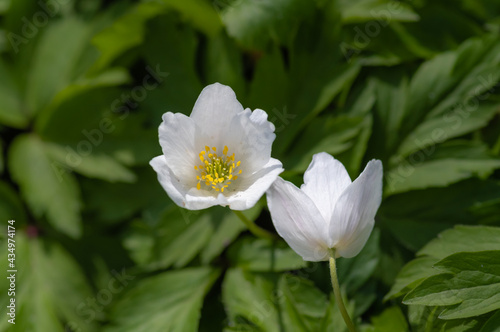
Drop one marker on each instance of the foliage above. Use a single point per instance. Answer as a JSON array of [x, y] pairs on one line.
[[100, 246]]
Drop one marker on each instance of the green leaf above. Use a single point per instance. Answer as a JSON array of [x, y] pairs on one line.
[[224, 63], [369, 10], [458, 239], [390, 89], [463, 238], [4, 6], [2, 164], [356, 271], [470, 285], [264, 255], [59, 52], [98, 166], [180, 83], [448, 95], [411, 275], [269, 87], [424, 319], [303, 305], [318, 73], [416, 217], [51, 289], [391, 319], [268, 303], [126, 32], [180, 235], [492, 324], [12, 112], [170, 301], [11, 207], [249, 301], [333, 135], [455, 123], [440, 173], [47, 191], [199, 13], [113, 202], [256, 23]]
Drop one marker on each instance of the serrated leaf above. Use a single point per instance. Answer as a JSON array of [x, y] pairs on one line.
[[416, 217], [438, 173], [169, 301], [470, 285], [268, 303], [318, 73], [411, 275], [303, 305], [47, 192], [453, 124], [248, 299], [463, 238], [459, 239], [448, 95]]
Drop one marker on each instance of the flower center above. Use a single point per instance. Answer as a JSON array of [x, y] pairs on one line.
[[216, 171]]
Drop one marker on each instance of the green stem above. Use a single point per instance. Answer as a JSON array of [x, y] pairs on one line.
[[254, 229], [336, 291]]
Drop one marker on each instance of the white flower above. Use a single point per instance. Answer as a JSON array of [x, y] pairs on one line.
[[328, 211], [219, 155]]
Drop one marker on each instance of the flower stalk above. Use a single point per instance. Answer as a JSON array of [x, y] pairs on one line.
[[336, 291], [253, 228]]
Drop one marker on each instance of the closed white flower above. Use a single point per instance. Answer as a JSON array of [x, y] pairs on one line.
[[328, 211], [219, 155]]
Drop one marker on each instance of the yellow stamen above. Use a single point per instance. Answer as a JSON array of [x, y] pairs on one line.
[[216, 171]]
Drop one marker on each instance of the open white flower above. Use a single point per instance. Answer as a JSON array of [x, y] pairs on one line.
[[220, 155], [328, 211]]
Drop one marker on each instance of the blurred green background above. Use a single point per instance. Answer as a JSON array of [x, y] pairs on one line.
[[99, 245]]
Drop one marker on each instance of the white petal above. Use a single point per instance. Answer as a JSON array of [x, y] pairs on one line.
[[357, 243], [202, 199], [324, 180], [172, 185], [221, 121], [297, 220], [177, 135], [213, 113], [355, 210], [257, 184], [186, 197]]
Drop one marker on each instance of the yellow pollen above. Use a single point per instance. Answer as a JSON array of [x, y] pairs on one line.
[[216, 172]]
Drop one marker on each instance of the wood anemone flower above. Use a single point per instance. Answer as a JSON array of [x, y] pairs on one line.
[[219, 155], [329, 213]]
